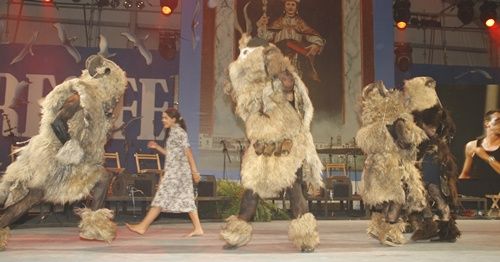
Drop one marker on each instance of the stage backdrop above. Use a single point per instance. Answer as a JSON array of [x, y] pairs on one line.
[[151, 89], [334, 92]]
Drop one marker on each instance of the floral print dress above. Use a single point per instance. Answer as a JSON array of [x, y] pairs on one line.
[[175, 191]]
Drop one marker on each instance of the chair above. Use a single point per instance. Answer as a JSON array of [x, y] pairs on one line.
[[336, 166], [113, 157], [153, 160]]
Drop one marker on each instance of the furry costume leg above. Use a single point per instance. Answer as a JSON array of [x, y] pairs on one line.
[[13, 212], [303, 229], [387, 228], [96, 225], [237, 231], [448, 231], [100, 190]]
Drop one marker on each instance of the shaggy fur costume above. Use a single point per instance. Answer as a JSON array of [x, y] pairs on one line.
[[303, 232], [97, 225], [389, 137], [442, 190], [60, 173], [278, 130], [236, 232]]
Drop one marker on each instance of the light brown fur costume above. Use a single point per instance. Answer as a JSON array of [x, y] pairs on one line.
[[390, 178], [47, 170], [269, 120]]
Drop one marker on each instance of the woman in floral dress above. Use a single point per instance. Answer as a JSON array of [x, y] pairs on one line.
[[175, 191]]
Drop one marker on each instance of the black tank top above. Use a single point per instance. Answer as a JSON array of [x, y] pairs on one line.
[[481, 169]]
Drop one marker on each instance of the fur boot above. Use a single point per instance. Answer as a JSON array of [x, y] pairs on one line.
[[303, 232], [376, 225], [96, 225], [448, 231], [388, 234], [236, 232], [4, 235], [394, 234], [425, 230]]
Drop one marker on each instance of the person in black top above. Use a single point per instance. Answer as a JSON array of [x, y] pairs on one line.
[[482, 158]]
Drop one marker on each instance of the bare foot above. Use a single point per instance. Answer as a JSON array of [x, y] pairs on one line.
[[195, 233], [136, 228]]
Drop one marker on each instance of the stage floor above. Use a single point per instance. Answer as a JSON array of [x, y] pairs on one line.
[[341, 240]]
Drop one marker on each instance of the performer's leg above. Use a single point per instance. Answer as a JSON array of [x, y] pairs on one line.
[[13, 212], [303, 229], [143, 226], [298, 202], [237, 231], [391, 231], [197, 229], [248, 205], [448, 230], [100, 190]]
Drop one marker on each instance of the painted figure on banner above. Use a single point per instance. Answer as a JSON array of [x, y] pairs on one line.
[[295, 38]]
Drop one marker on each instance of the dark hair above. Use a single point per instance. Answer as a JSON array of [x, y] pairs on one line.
[[489, 114], [174, 113]]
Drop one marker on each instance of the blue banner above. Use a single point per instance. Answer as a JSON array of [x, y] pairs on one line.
[[151, 89]]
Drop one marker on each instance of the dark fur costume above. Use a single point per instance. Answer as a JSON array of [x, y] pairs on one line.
[[437, 152]]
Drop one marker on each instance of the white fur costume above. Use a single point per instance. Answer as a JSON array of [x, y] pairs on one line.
[[66, 173], [389, 174], [270, 118]]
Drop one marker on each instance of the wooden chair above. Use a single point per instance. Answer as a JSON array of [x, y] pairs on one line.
[[113, 157], [336, 166], [153, 159]]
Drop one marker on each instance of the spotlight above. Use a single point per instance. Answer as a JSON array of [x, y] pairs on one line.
[[403, 59], [401, 13], [139, 4], [114, 3], [465, 11], [168, 6], [488, 13], [47, 1], [102, 3], [127, 4]]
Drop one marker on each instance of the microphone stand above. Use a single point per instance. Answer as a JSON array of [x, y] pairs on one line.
[[226, 154]]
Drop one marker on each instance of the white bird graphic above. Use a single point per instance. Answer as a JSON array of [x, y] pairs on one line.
[[2, 32], [103, 47], [20, 95], [479, 71], [67, 42], [26, 49], [139, 43]]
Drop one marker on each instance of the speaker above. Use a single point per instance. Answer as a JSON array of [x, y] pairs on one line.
[[340, 185], [147, 183], [207, 187]]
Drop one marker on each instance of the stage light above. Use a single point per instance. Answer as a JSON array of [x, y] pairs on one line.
[[139, 4], [465, 11], [403, 59], [401, 13], [114, 3], [127, 4], [47, 1], [488, 13], [168, 6]]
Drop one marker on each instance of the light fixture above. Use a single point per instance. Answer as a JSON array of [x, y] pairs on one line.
[[401, 13], [114, 3], [168, 6], [465, 11], [139, 4], [488, 13], [127, 4], [403, 59]]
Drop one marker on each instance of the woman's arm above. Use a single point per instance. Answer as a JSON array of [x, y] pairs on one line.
[[192, 164], [154, 145]]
